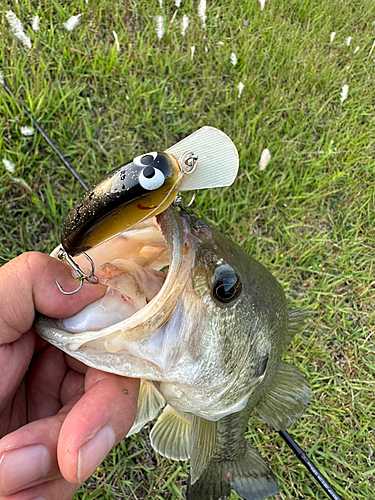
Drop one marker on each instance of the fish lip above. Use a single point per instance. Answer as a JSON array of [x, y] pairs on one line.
[[170, 224]]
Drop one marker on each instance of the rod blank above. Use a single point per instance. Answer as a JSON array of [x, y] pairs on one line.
[[47, 139], [319, 478]]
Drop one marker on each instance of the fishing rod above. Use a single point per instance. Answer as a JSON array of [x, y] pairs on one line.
[[319, 478], [45, 137]]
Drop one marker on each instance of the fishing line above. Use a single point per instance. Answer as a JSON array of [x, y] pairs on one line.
[[46, 138], [323, 483]]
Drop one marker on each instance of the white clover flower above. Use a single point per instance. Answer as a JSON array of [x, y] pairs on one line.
[[202, 11], [233, 58], [72, 22], [184, 25], [17, 28], [344, 93], [177, 3], [264, 159], [116, 40], [35, 23], [9, 166], [161, 4], [220, 43], [348, 40], [332, 36], [27, 131], [240, 87], [159, 27]]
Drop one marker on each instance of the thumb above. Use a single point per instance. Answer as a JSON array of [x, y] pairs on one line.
[[27, 284]]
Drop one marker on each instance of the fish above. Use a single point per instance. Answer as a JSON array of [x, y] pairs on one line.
[[207, 343]]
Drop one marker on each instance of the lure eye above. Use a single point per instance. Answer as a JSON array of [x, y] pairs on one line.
[[151, 178], [147, 159], [227, 284]]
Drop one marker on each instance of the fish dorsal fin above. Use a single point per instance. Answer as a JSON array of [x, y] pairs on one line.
[[286, 399], [201, 445], [248, 475], [150, 401], [170, 435]]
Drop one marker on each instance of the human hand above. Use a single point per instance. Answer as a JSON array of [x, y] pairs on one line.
[[58, 418]]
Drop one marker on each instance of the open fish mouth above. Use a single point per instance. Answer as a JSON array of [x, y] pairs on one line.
[[146, 269], [134, 266]]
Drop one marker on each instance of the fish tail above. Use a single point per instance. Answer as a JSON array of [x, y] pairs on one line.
[[248, 475]]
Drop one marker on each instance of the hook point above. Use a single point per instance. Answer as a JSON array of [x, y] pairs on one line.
[[69, 293]]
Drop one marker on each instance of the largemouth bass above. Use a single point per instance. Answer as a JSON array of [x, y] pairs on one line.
[[207, 342]]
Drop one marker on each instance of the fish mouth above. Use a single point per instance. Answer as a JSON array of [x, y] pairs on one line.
[[164, 241]]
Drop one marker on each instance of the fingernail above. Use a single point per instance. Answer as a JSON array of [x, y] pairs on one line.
[[92, 453], [21, 467]]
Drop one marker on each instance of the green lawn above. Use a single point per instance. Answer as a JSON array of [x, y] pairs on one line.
[[308, 216]]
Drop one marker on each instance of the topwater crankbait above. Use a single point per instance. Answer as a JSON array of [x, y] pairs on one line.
[[144, 188]]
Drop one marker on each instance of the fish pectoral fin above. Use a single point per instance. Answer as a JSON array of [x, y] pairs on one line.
[[150, 401], [296, 319], [171, 434], [286, 398], [248, 475], [201, 445]]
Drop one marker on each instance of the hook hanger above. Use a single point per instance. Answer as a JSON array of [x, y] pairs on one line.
[[90, 278]]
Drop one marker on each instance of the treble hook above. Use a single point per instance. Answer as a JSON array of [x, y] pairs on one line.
[[90, 278], [178, 202]]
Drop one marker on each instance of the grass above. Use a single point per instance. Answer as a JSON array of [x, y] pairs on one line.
[[308, 217]]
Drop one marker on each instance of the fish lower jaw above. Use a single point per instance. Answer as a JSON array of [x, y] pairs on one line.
[[106, 326]]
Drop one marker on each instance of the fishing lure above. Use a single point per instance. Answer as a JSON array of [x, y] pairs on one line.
[[127, 195], [144, 188]]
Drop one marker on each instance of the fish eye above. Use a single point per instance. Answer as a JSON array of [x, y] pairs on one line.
[[151, 178], [144, 160], [227, 284]]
